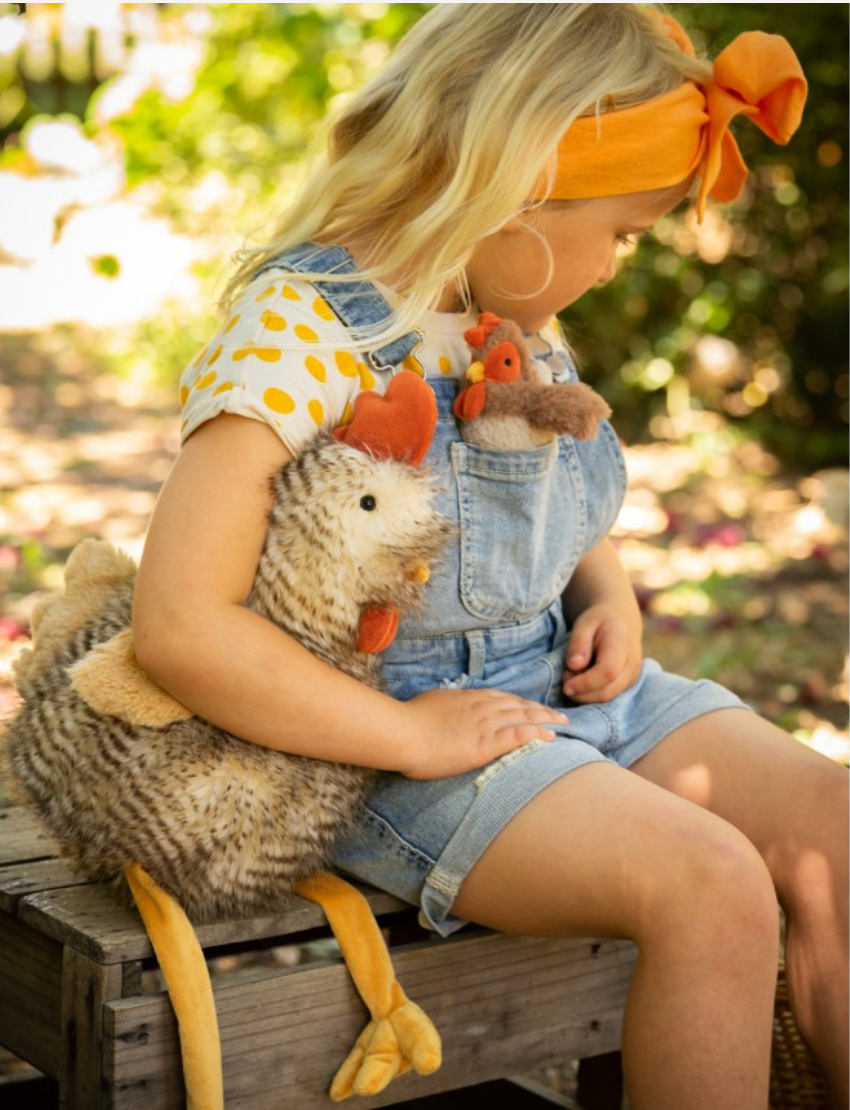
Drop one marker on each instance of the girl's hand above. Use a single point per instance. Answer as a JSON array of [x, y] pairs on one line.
[[603, 656], [453, 731]]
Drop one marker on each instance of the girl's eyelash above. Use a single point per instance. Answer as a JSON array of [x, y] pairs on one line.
[[632, 238]]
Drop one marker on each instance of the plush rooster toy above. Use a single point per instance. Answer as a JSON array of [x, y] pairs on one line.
[[143, 763], [509, 405]]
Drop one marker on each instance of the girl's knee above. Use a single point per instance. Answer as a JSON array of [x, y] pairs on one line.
[[721, 892]]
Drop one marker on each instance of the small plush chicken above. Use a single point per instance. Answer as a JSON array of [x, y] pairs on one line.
[[510, 405]]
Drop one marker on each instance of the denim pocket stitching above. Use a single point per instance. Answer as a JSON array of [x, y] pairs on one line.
[[612, 442], [602, 456], [564, 528], [400, 847]]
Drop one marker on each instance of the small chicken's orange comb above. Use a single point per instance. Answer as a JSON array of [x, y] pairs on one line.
[[487, 323]]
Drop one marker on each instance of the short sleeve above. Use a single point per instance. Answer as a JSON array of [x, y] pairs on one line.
[[281, 357]]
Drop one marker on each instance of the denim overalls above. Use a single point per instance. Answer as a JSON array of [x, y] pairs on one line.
[[493, 617]]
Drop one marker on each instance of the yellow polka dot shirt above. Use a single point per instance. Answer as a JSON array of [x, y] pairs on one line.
[[284, 358]]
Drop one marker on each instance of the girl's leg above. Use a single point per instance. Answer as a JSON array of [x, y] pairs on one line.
[[792, 804], [603, 852]]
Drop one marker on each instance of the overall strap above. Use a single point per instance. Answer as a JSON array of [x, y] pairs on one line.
[[357, 304]]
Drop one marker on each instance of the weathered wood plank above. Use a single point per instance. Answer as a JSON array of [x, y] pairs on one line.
[[70, 955], [97, 923], [19, 879], [30, 995], [503, 1004], [86, 987], [22, 837]]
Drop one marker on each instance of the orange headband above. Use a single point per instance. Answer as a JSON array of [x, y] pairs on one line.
[[663, 141]]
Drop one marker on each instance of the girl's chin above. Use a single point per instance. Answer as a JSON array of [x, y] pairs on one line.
[[530, 322]]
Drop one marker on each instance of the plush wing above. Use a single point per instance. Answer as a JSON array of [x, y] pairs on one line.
[[110, 680]]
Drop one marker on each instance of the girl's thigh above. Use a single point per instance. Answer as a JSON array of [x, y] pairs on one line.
[[604, 852], [789, 801]]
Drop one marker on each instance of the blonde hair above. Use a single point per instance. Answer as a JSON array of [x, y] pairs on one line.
[[447, 143]]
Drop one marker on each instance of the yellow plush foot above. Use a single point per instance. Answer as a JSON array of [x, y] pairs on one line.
[[400, 1035], [388, 1047], [181, 960]]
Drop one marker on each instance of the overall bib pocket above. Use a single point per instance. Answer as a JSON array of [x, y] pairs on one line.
[[523, 518]]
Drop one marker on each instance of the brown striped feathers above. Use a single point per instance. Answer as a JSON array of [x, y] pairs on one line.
[[226, 826]]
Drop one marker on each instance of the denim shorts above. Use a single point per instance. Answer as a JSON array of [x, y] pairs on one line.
[[419, 840]]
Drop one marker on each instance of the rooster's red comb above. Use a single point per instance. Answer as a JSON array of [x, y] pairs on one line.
[[398, 425]]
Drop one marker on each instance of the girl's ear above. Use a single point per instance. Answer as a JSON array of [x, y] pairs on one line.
[[515, 223], [526, 216]]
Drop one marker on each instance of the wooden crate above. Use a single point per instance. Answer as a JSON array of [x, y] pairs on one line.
[[75, 1003]]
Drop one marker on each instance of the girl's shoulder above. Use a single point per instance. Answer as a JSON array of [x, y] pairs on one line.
[[281, 356], [273, 314]]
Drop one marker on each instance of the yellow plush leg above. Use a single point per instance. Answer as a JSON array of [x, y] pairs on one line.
[[186, 975], [400, 1035]]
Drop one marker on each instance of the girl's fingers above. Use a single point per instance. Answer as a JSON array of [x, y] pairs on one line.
[[607, 691], [500, 701], [531, 712], [606, 674], [515, 721], [514, 736], [581, 647]]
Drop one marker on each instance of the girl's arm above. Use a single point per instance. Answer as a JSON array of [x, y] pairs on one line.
[[604, 652], [195, 637]]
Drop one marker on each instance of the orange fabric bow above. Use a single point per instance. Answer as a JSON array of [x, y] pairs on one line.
[[664, 141]]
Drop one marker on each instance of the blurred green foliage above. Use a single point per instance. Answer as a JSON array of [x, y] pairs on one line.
[[745, 318], [268, 75], [773, 287]]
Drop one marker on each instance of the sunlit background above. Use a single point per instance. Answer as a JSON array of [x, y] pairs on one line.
[[142, 144]]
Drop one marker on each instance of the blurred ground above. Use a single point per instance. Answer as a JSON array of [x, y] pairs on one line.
[[741, 568]]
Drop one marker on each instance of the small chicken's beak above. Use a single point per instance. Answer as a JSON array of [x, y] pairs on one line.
[[418, 573], [476, 372]]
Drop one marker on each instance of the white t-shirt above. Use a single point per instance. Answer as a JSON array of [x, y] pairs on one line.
[[284, 358]]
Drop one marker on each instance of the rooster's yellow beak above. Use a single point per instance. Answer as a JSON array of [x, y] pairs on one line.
[[476, 372], [418, 573]]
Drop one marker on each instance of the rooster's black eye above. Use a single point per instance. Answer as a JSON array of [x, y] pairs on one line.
[[368, 502]]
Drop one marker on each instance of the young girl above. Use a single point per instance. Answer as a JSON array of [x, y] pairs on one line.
[[541, 778]]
